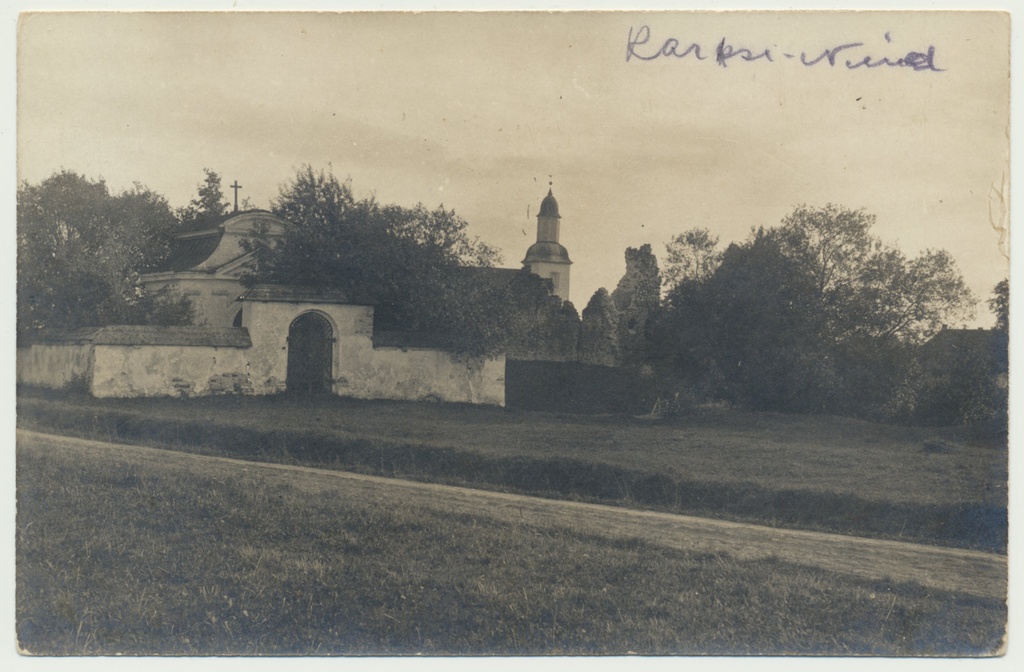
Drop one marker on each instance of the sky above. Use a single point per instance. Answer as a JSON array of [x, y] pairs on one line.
[[480, 112]]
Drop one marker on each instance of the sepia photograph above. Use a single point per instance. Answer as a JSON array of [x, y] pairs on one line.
[[512, 333]]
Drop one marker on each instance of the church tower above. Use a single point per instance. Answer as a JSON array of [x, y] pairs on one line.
[[547, 257]]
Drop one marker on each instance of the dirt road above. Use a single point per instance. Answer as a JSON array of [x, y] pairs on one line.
[[974, 572]]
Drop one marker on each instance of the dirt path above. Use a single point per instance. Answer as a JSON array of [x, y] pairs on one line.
[[974, 572]]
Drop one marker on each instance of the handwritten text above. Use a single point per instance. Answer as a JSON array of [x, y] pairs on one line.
[[851, 55]]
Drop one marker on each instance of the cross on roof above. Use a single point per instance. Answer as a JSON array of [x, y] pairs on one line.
[[236, 186]]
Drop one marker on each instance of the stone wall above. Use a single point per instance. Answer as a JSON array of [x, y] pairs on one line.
[[199, 361], [268, 323], [422, 374], [175, 370], [55, 365], [358, 368]]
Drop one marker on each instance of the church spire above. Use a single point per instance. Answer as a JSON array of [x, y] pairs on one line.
[[547, 257], [547, 219], [549, 207]]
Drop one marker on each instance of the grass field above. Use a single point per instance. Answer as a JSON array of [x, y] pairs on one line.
[[937, 485], [155, 553]]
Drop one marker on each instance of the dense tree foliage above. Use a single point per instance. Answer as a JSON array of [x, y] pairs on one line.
[[964, 372], [411, 263], [966, 384], [691, 256], [865, 288], [999, 303], [813, 315], [750, 331], [80, 252], [208, 207]]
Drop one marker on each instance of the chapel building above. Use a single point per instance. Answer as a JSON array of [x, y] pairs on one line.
[[207, 265]]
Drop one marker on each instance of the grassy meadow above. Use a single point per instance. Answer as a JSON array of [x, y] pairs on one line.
[[133, 553], [945, 486]]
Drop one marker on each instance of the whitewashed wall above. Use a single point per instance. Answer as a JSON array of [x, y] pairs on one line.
[[420, 373], [214, 299], [268, 323], [358, 369], [362, 371], [169, 370], [55, 365]]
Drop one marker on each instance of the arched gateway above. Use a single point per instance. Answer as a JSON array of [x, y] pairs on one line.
[[310, 354]]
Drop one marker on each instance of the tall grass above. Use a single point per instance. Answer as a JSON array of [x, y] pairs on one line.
[[142, 554]]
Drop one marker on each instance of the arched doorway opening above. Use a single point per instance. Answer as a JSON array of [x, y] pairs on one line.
[[310, 360]]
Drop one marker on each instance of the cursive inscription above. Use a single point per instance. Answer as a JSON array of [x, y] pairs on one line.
[[851, 55]]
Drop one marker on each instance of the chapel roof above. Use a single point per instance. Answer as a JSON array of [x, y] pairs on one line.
[[194, 247], [191, 250]]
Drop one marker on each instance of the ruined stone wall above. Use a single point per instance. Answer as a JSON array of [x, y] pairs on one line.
[[636, 296], [599, 331]]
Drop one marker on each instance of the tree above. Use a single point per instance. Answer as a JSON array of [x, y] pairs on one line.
[[80, 252], [965, 372], [813, 315], [999, 303], [764, 329], [831, 244], [409, 262], [865, 287], [964, 379], [691, 256], [906, 299], [208, 207]]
